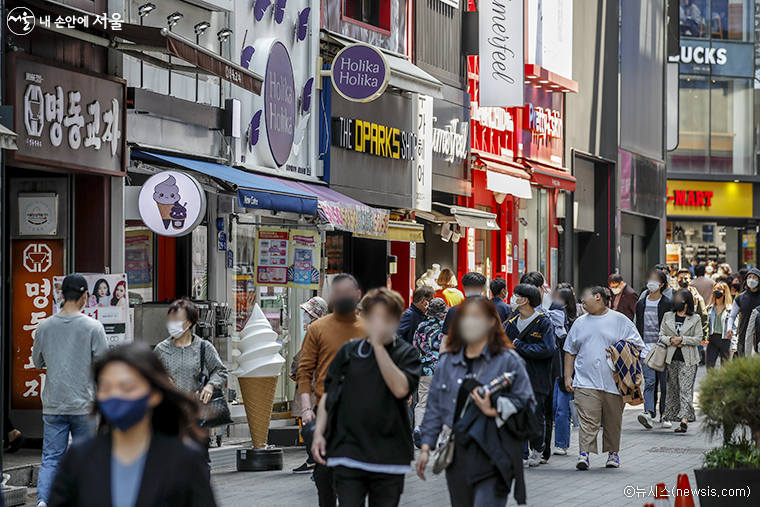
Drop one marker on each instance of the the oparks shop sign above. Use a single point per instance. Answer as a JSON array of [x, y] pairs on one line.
[[367, 137], [691, 198]]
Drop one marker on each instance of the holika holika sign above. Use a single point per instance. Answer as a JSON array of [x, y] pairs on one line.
[[502, 62], [360, 73], [374, 139]]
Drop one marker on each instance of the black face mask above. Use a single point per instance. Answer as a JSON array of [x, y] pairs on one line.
[[683, 283], [344, 306], [718, 294], [679, 306]]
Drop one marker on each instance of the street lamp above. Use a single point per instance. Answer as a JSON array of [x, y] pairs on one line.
[[200, 28], [145, 9], [172, 18], [223, 34]]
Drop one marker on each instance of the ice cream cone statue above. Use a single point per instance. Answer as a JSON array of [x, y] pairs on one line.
[[259, 366], [166, 194]]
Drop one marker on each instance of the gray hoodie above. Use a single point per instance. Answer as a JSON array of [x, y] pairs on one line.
[[68, 346]]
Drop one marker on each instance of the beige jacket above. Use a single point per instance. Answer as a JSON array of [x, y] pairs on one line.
[[691, 332]]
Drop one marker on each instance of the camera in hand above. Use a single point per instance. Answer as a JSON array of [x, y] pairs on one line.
[[497, 385]]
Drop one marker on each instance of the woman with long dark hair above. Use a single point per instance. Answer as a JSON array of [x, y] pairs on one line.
[[141, 456], [488, 431]]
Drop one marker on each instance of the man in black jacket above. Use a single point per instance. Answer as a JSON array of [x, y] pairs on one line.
[[532, 334], [623, 296], [415, 314]]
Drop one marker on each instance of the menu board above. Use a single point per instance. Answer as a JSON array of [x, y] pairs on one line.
[[288, 258]]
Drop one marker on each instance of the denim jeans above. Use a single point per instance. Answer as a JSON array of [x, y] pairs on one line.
[[561, 410], [650, 389], [54, 444]]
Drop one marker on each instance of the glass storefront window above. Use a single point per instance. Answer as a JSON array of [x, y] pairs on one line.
[[717, 19], [138, 255], [715, 126], [731, 126]]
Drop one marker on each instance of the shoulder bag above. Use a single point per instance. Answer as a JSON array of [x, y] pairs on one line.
[[216, 412], [656, 357]]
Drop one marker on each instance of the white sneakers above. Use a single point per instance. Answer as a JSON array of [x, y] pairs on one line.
[[645, 418], [666, 425], [42, 504], [560, 451], [535, 458]]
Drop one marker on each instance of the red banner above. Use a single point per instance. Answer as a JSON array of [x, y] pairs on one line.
[[35, 263]]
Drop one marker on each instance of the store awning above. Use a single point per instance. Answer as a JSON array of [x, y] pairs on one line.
[[505, 184], [406, 231], [545, 176], [253, 191], [404, 74], [7, 138], [473, 218], [137, 41], [343, 212]]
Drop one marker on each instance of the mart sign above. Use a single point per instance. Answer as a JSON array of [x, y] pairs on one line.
[[709, 199]]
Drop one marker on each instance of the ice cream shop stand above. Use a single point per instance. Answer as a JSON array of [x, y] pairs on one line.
[[243, 246]]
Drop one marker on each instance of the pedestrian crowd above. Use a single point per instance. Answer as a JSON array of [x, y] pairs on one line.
[[479, 380]]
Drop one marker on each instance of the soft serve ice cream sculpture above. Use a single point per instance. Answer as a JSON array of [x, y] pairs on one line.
[[259, 365]]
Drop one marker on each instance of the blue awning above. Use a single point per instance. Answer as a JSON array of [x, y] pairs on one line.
[[253, 191]]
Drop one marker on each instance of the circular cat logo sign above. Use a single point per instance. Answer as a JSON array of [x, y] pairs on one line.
[[172, 203]]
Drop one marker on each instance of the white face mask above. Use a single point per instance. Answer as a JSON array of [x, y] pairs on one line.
[[752, 283], [653, 286], [473, 329], [176, 329], [546, 301], [513, 302], [616, 290], [709, 270]]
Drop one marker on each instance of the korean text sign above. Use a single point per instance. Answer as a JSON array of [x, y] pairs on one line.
[[288, 258], [35, 264], [67, 117]]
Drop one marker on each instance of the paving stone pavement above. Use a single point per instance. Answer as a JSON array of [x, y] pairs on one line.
[[647, 457]]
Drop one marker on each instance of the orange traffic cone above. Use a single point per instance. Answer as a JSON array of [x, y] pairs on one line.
[[683, 493], [661, 498]]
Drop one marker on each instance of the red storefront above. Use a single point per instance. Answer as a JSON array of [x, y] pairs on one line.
[[517, 173]]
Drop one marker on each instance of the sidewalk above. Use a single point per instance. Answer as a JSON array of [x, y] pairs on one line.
[[647, 457]]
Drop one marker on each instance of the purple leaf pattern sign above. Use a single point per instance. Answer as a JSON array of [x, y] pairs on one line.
[[360, 73]]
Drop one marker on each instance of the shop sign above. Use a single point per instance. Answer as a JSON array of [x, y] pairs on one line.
[[34, 264], [108, 303], [38, 214], [496, 118], [68, 118], [288, 258], [422, 176], [363, 220], [673, 253], [450, 143], [502, 62], [172, 203], [379, 140], [715, 57], [543, 122], [709, 198], [221, 243], [279, 103], [360, 73]]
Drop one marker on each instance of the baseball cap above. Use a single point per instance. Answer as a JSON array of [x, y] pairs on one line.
[[316, 307], [74, 283]]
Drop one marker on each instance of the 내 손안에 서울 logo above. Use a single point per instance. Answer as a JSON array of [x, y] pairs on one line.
[[172, 203], [20, 21]]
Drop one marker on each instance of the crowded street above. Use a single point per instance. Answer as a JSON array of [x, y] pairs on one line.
[[340, 253]]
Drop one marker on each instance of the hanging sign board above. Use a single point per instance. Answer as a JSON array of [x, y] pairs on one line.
[[172, 203], [288, 258], [360, 73], [502, 61]]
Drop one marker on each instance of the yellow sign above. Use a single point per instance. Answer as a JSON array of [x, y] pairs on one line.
[[709, 199]]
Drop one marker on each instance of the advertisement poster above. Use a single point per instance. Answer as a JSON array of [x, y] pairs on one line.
[[288, 258], [35, 264], [108, 303]]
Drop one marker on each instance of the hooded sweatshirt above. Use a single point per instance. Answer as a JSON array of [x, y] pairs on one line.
[[744, 304], [68, 346]]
